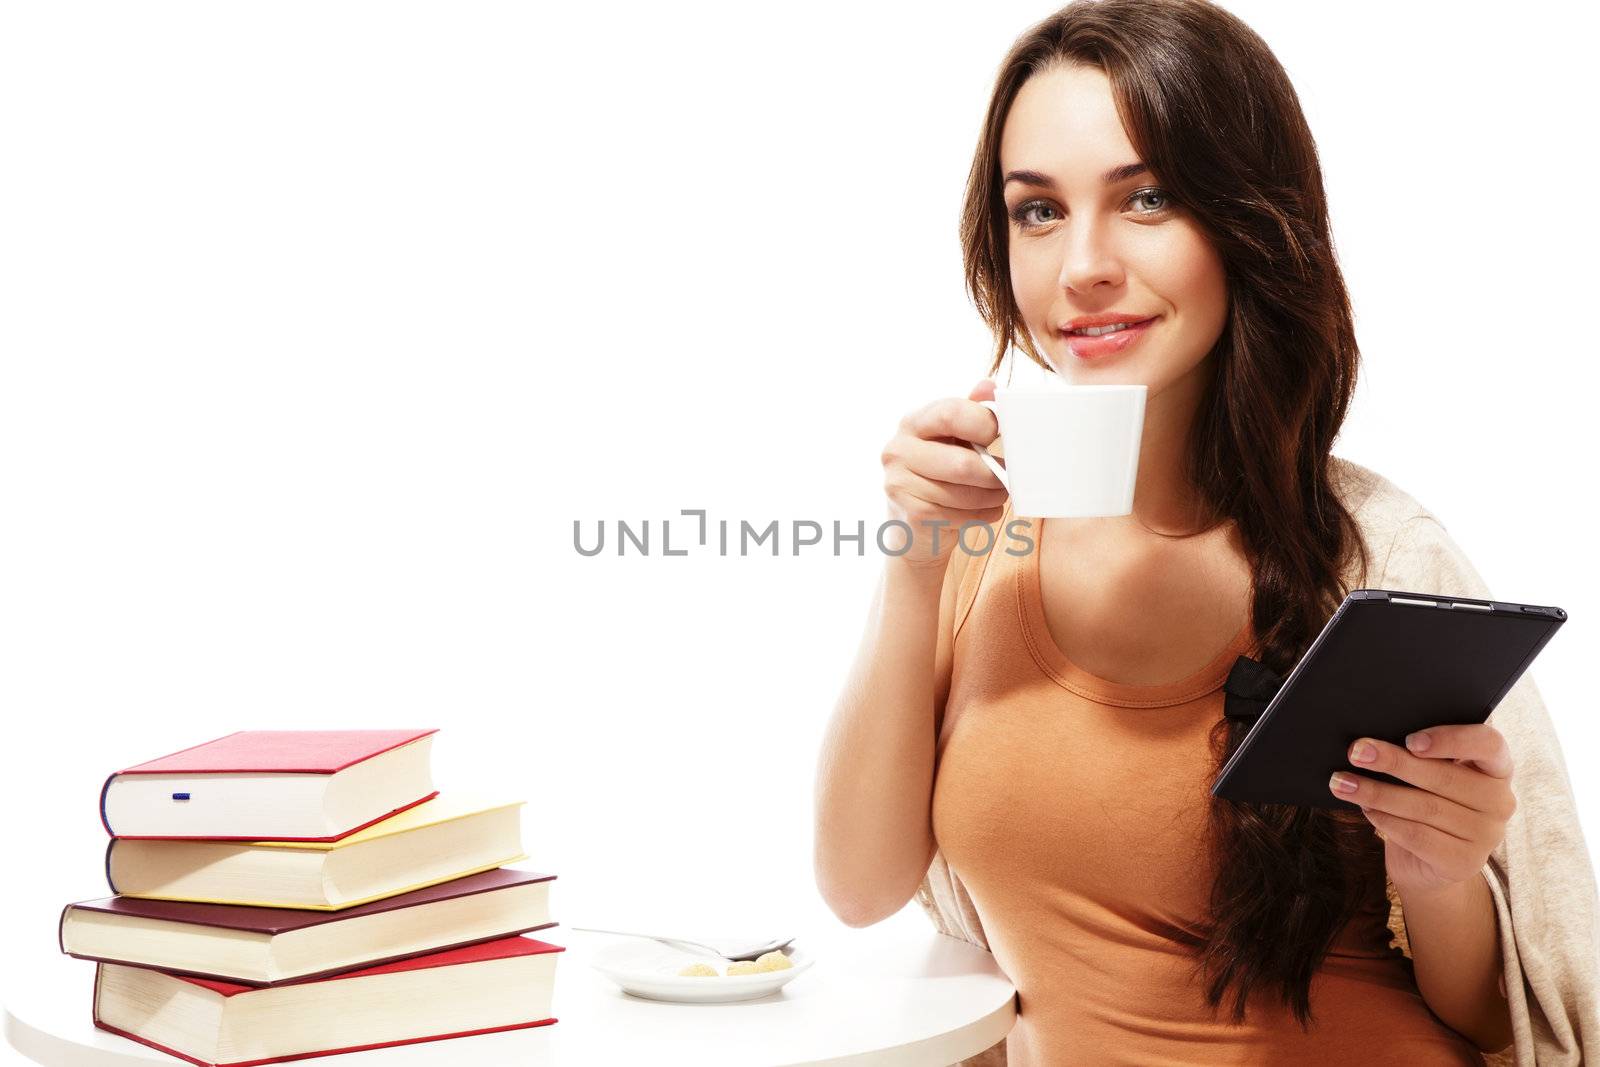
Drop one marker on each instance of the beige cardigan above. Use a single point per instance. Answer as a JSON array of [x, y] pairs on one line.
[[1541, 877]]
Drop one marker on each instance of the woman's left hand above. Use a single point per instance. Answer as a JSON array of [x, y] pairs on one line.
[[1439, 830]]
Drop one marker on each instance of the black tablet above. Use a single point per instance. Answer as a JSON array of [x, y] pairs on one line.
[[1386, 664]]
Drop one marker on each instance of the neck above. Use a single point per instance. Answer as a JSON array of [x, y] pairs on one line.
[[1165, 502]]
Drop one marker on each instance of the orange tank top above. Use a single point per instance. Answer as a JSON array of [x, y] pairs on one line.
[[1074, 810]]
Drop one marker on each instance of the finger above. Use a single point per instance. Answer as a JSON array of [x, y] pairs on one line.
[[1416, 805], [1479, 744], [945, 462], [1459, 782], [1450, 856], [952, 417], [946, 494]]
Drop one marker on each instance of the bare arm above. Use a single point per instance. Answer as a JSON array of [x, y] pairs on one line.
[[874, 837], [1441, 822], [1455, 945], [873, 829]]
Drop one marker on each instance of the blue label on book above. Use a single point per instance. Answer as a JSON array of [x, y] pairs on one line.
[[180, 796]]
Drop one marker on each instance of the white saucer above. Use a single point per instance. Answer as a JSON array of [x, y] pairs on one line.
[[650, 969]]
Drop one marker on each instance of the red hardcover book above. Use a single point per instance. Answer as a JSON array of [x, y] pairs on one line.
[[499, 985], [277, 946], [272, 785]]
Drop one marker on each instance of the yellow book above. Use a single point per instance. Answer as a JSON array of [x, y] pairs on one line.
[[444, 838]]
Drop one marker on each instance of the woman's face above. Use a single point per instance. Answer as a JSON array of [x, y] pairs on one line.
[[1082, 245]]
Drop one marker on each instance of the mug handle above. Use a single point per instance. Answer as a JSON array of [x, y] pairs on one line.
[[983, 453]]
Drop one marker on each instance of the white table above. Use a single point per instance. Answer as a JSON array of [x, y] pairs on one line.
[[890, 995]]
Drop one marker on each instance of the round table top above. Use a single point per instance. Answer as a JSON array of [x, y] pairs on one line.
[[892, 993]]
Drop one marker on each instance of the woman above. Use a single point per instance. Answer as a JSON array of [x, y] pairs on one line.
[[1026, 742]]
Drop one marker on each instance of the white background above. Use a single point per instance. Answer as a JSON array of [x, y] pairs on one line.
[[323, 322]]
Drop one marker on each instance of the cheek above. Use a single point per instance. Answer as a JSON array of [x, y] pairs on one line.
[[1033, 279], [1189, 274]]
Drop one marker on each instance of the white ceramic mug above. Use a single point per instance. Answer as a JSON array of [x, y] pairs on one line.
[[1071, 451]]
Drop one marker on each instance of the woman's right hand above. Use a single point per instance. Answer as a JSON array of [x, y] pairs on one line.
[[931, 474]]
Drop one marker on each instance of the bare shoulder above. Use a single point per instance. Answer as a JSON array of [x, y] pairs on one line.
[[951, 596], [959, 562]]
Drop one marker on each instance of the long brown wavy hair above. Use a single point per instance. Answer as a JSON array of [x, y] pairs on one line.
[[1212, 113]]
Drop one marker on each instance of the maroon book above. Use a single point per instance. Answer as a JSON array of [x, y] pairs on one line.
[[435, 915], [505, 984]]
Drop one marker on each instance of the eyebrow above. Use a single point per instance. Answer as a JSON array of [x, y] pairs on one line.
[[1110, 177]]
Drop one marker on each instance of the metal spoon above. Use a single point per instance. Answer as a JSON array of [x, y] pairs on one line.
[[728, 950]]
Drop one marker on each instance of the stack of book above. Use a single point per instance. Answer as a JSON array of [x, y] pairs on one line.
[[284, 894]]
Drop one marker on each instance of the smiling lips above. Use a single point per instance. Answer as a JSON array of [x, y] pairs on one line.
[[1098, 336]]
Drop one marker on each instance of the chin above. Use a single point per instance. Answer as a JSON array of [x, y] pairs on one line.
[[1074, 371]]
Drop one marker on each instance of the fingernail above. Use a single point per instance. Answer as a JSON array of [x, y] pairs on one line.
[[1342, 783], [1418, 742], [1361, 752]]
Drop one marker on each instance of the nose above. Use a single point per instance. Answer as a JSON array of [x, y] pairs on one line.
[[1088, 258]]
